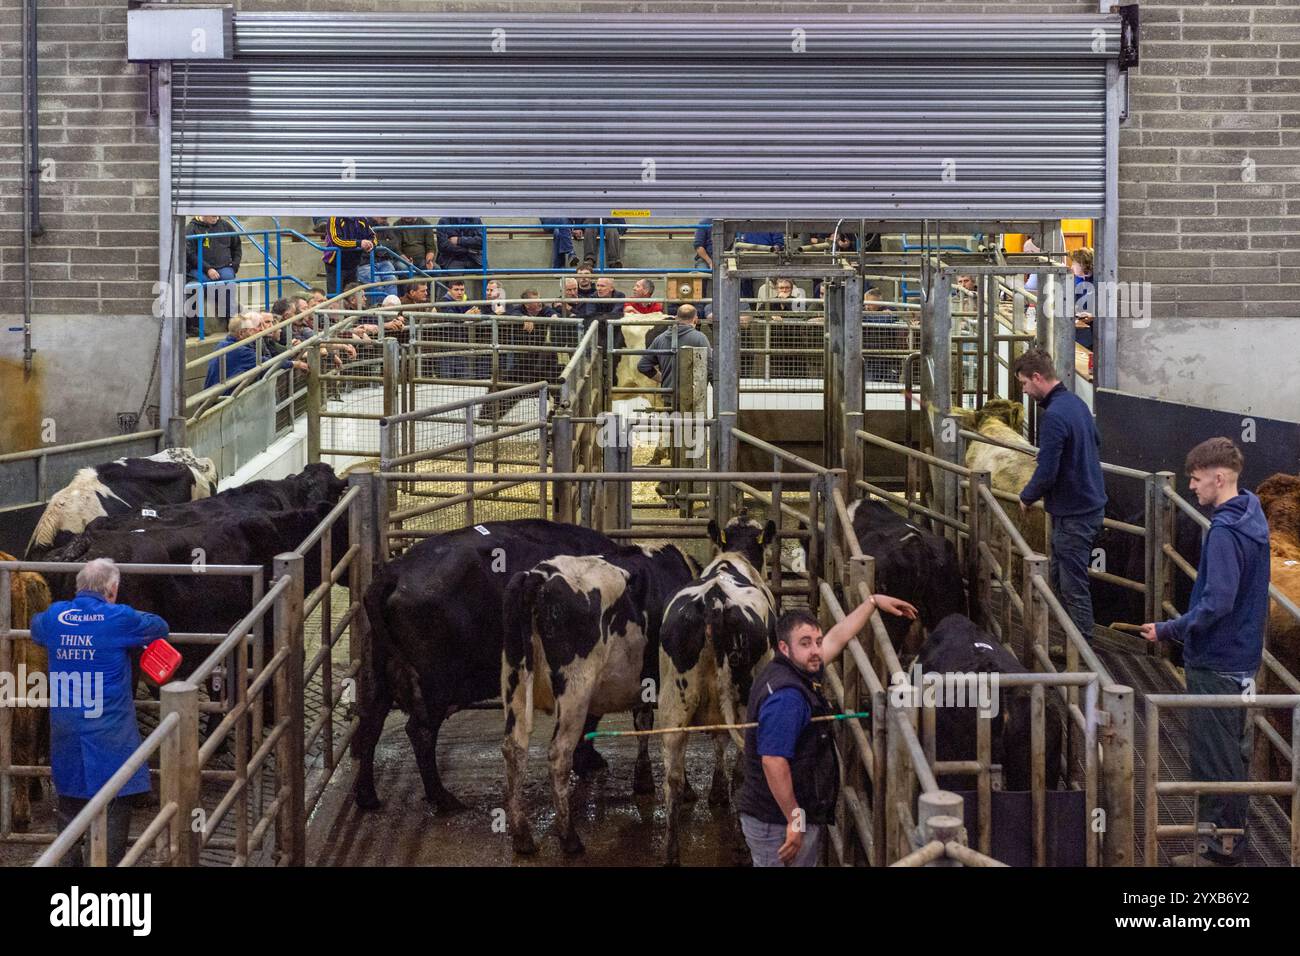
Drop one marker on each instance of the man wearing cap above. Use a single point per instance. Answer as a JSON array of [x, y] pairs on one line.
[[93, 730]]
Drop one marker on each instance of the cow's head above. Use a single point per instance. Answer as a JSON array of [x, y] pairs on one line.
[[1009, 413], [744, 536], [319, 483], [1280, 497]]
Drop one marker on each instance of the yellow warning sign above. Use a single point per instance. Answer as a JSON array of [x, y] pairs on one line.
[[631, 213]]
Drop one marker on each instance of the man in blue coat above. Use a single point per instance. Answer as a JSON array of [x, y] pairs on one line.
[[1068, 479], [93, 729], [1222, 635]]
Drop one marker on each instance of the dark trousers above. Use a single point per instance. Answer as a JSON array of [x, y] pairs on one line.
[[1219, 741], [119, 824], [1072, 539], [613, 244]]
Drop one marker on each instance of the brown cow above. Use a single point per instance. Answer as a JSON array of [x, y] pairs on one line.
[[28, 595], [1280, 497], [1002, 420]]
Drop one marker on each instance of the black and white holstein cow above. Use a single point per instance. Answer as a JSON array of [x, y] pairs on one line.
[[437, 631], [124, 486], [717, 633], [581, 641], [911, 563]]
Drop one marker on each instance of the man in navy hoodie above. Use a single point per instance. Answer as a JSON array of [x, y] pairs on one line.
[[1068, 479], [1222, 635]]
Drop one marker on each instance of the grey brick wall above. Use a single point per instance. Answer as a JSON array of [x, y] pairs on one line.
[[99, 253], [1215, 101]]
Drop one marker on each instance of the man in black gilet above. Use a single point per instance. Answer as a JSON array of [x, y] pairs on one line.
[[791, 771]]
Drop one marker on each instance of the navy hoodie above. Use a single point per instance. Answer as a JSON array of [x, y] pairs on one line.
[[1223, 629], [1068, 476]]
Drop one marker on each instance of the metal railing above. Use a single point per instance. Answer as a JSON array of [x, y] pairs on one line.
[[985, 532], [48, 468], [302, 754]]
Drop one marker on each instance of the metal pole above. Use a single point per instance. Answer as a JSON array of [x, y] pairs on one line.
[[314, 404], [291, 821], [6, 713], [171, 354], [1117, 775], [180, 774], [361, 523], [854, 398], [1105, 273]]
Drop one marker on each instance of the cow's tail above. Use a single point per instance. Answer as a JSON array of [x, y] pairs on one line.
[[520, 600], [715, 633]]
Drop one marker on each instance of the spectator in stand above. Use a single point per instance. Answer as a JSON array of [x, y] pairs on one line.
[[704, 245], [414, 240], [756, 242], [613, 243], [603, 312], [517, 366], [643, 289], [241, 359], [385, 270], [220, 255], [450, 330], [586, 290], [561, 230], [495, 293], [566, 307], [460, 248], [394, 323], [1084, 298], [782, 295], [349, 239], [416, 294]]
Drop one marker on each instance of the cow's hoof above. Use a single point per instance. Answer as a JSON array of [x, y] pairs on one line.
[[524, 843], [587, 760], [688, 793], [572, 845], [445, 803], [643, 780], [368, 801]]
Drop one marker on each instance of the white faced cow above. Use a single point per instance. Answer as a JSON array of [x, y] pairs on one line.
[[717, 634], [118, 487], [581, 640]]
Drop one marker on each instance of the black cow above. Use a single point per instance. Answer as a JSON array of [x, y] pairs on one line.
[[224, 535], [582, 640], [958, 646], [910, 563], [124, 486], [437, 636], [717, 633]]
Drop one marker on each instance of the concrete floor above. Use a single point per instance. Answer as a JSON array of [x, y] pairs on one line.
[[617, 828]]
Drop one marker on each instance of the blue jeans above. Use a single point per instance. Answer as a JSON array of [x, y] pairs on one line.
[[223, 292], [765, 839], [1072, 538], [1219, 741], [562, 241], [384, 271]]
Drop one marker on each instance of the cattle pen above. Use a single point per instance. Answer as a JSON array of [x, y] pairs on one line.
[[429, 449]]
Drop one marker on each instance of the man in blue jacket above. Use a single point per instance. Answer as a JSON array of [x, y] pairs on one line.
[[1222, 635], [93, 729], [460, 249], [1068, 479]]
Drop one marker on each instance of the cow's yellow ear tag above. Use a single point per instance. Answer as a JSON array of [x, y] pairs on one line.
[[722, 538]]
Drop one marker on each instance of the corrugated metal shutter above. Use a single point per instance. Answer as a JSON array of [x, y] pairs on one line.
[[721, 116]]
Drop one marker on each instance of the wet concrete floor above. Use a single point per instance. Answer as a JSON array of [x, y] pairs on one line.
[[618, 828]]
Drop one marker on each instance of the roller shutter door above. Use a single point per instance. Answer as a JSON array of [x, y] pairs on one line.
[[877, 117]]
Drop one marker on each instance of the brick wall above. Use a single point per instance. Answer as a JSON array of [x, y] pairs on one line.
[[98, 142]]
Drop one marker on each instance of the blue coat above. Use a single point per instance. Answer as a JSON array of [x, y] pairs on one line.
[[467, 252], [91, 737], [1068, 476], [1223, 629]]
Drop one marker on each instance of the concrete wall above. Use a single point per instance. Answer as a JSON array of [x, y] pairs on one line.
[[87, 369], [1209, 178]]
